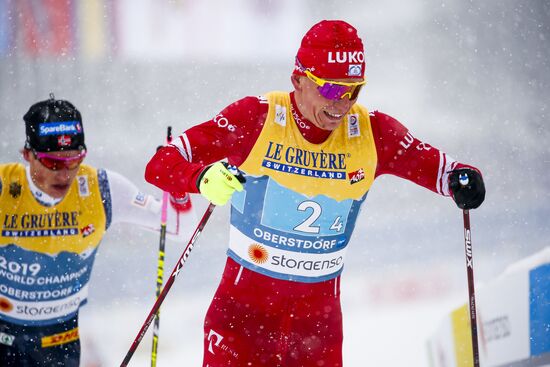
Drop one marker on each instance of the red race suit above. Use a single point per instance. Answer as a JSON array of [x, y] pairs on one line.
[[278, 301]]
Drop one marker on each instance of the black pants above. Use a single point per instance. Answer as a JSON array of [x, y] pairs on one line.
[[40, 346]]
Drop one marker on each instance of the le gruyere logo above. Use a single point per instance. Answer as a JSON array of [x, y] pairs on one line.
[[294, 160], [57, 223]]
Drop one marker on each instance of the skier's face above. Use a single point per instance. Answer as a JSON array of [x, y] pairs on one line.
[[55, 183], [326, 114]]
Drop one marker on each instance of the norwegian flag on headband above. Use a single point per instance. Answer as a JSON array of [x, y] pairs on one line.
[[63, 141]]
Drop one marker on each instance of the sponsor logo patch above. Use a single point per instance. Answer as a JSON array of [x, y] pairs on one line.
[[61, 338], [496, 329], [83, 186], [303, 162], [258, 253], [215, 340], [342, 57], [354, 70], [59, 128], [5, 305], [353, 126], [299, 120], [88, 230], [15, 189], [280, 115], [6, 339], [37, 225], [223, 122], [356, 176]]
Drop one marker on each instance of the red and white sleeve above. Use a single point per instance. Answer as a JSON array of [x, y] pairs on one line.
[[403, 155], [230, 135]]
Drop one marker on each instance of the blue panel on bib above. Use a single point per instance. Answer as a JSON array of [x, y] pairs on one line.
[[238, 199], [291, 212], [278, 217], [30, 276]]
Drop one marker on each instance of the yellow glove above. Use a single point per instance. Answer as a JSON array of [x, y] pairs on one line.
[[219, 181]]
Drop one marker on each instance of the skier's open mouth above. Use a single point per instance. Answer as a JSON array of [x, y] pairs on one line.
[[334, 116]]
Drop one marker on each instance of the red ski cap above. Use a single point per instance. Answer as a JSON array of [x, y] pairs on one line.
[[331, 49]]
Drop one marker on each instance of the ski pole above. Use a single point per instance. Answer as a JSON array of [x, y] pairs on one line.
[[168, 285], [471, 288], [160, 263]]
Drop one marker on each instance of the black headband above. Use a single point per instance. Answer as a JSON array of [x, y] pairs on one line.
[[54, 125]]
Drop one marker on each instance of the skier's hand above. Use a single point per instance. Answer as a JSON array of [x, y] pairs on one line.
[[467, 188], [218, 182]]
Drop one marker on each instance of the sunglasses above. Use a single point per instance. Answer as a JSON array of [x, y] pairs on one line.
[[55, 163], [335, 90]]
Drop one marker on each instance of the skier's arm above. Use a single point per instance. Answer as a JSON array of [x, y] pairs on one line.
[[403, 155], [230, 135], [130, 205]]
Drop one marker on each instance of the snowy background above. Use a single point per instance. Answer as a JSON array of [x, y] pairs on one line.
[[471, 78]]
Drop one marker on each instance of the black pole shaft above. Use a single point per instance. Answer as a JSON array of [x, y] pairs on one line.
[[160, 265], [160, 272], [168, 285], [471, 285]]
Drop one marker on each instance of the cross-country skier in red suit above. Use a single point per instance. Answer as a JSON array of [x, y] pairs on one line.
[[309, 158]]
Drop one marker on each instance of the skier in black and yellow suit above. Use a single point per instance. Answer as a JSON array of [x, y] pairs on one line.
[[54, 213]]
